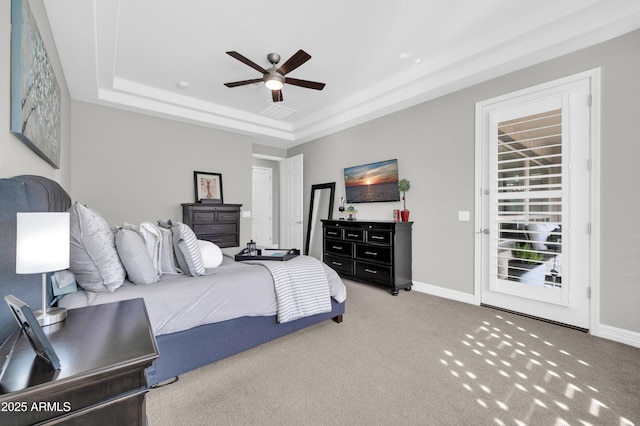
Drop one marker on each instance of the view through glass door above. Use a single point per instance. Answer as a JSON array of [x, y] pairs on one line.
[[535, 203]]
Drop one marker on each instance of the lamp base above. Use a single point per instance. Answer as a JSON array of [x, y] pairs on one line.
[[51, 316]]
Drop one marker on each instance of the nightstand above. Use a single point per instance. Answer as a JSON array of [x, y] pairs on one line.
[[103, 350]]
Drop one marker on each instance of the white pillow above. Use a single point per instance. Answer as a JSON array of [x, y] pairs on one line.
[[93, 256], [211, 254], [152, 239], [135, 257], [187, 249]]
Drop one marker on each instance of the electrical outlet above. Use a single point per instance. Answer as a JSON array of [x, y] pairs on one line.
[[464, 216]]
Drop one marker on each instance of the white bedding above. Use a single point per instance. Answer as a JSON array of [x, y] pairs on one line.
[[179, 302]]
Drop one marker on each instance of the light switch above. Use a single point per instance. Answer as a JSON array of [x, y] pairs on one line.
[[246, 213], [463, 216]]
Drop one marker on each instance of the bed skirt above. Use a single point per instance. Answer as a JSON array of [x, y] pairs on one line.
[[196, 347]]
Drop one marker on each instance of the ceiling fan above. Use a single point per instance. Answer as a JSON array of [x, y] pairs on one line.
[[274, 78]]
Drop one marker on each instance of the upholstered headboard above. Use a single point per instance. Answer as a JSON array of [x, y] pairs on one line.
[[22, 194]]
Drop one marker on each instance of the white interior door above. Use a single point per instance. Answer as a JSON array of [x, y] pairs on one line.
[[262, 204], [291, 199], [535, 206]]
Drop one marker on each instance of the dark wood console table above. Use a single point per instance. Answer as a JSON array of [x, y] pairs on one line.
[[103, 350]]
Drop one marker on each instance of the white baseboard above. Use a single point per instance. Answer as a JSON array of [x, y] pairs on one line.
[[434, 290], [619, 335]]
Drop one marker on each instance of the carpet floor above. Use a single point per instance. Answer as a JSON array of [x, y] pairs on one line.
[[414, 359]]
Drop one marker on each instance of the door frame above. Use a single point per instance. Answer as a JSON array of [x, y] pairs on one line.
[[594, 182], [270, 203]]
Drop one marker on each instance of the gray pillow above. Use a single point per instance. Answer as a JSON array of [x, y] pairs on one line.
[[187, 249], [168, 261], [93, 256], [135, 257]]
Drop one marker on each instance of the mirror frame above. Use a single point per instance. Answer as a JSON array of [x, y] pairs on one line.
[[332, 187]]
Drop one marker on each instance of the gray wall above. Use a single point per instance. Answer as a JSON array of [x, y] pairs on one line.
[[434, 144], [132, 167]]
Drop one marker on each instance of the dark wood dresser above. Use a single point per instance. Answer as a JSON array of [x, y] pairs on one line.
[[218, 223], [103, 350], [378, 253]]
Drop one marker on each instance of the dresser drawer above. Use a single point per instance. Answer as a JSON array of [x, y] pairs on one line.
[[375, 273], [204, 217], [339, 264], [226, 240], [331, 232], [379, 237], [353, 235], [339, 247], [376, 253], [215, 228], [228, 216]]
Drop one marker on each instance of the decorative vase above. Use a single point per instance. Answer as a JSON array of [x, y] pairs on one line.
[[405, 215]]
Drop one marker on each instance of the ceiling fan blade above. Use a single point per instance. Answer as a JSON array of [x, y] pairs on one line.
[[298, 58], [304, 83], [276, 95], [247, 61], [243, 82]]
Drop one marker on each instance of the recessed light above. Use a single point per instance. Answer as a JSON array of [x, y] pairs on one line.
[[405, 55], [183, 84]]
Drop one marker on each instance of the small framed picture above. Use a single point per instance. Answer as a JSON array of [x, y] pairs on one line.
[[208, 187]]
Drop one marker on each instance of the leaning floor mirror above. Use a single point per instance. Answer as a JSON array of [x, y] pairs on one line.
[[321, 207]]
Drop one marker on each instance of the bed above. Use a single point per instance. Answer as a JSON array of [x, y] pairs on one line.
[[196, 319]]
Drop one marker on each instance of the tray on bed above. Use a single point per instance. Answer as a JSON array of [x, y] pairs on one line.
[[268, 254]]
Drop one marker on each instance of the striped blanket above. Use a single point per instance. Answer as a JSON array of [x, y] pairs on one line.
[[301, 285]]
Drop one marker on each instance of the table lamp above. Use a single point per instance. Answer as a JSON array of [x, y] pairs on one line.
[[42, 246]]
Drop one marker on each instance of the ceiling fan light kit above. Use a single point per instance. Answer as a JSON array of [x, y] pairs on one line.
[[274, 78], [274, 81]]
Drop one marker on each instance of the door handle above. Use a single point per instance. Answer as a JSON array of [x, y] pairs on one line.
[[484, 231]]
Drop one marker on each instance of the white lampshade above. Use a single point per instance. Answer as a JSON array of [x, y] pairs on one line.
[[42, 242]]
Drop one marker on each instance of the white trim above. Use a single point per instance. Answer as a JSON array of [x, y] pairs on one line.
[[620, 335], [446, 293], [608, 332], [594, 271]]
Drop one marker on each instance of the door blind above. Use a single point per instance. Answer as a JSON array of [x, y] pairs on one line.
[[529, 199]]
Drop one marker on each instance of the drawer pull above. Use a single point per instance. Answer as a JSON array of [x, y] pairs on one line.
[[371, 271], [352, 235], [336, 247], [371, 253], [336, 263], [377, 237], [332, 233]]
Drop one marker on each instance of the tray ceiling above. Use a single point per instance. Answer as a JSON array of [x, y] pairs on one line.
[[167, 58]]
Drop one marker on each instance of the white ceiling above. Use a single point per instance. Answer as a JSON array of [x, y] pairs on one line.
[[375, 57]]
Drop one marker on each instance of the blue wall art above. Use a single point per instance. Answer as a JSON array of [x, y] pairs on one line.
[[35, 94]]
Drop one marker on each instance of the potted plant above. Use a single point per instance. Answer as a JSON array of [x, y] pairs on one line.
[[403, 186], [527, 264], [525, 253]]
